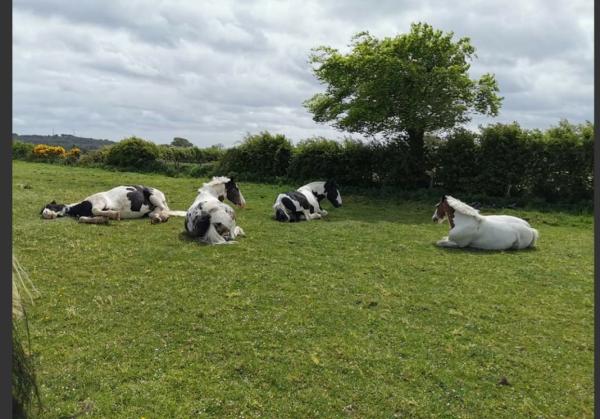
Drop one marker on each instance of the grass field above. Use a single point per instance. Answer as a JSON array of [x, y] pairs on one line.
[[356, 315]]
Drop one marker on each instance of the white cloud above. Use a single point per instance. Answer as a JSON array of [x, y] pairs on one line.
[[212, 71]]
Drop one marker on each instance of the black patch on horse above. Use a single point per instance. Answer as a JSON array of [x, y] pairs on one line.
[[291, 207], [200, 225], [319, 196], [139, 195], [300, 198], [83, 209]]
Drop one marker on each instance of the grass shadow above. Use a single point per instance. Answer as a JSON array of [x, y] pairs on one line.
[[475, 251]]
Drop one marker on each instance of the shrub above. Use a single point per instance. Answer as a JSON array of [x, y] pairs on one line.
[[133, 153], [48, 152], [260, 157], [393, 164], [315, 158], [21, 150], [96, 157], [564, 163], [456, 162], [504, 159], [203, 170], [356, 164]]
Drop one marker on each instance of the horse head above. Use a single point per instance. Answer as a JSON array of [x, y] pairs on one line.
[[53, 210], [333, 193], [442, 211], [223, 187], [234, 194]]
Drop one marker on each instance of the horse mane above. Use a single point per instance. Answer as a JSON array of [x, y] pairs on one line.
[[462, 207], [216, 180]]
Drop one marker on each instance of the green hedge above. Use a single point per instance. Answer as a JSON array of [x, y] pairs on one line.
[[263, 156], [501, 160]]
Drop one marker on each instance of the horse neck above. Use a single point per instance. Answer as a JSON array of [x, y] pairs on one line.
[[206, 194], [460, 218], [68, 207], [315, 185], [212, 190], [318, 187]]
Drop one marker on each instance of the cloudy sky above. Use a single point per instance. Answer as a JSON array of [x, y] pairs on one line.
[[213, 71]]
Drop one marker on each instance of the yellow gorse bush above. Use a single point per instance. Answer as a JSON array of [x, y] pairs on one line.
[[44, 150], [73, 153]]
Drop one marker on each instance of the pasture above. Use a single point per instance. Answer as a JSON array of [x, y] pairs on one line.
[[356, 315]]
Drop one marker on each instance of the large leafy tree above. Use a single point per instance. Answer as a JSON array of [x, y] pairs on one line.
[[402, 87]]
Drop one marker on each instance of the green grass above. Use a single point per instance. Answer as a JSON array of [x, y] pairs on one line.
[[355, 315]]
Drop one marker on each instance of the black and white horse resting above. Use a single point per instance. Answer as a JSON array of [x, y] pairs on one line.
[[122, 202], [211, 220], [305, 202]]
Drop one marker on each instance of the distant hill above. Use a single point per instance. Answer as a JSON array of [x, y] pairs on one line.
[[65, 140]]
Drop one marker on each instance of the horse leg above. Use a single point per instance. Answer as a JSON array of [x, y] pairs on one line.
[[93, 220], [113, 215], [309, 216], [160, 214], [322, 211], [213, 237], [445, 242]]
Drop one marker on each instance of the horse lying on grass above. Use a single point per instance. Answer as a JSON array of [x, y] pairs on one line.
[[305, 202], [122, 202], [211, 220], [489, 232]]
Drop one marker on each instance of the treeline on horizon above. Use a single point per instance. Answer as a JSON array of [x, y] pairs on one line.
[[63, 140], [500, 160]]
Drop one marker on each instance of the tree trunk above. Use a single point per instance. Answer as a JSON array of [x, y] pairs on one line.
[[417, 153]]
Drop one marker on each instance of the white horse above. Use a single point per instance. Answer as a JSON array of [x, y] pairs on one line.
[[211, 220], [122, 202], [305, 202], [490, 232]]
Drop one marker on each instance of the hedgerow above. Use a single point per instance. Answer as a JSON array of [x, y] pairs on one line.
[[504, 161]]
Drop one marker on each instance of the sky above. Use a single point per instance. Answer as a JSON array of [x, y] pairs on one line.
[[212, 71]]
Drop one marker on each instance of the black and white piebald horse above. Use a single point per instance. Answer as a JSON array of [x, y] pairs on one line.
[[305, 202], [122, 202], [210, 219]]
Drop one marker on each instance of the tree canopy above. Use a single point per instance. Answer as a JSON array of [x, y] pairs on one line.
[[401, 87], [181, 142]]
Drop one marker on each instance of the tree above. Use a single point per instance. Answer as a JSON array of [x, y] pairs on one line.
[[401, 87], [181, 142]]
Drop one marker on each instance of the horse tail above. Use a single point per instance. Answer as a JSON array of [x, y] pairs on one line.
[[536, 236], [173, 213]]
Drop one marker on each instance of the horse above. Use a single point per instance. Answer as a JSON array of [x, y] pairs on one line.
[[211, 220], [488, 232], [121, 202], [305, 202]]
